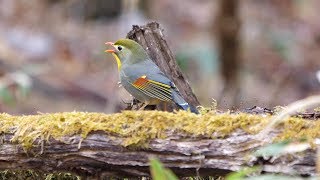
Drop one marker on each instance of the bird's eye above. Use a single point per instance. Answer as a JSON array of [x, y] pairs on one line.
[[119, 48]]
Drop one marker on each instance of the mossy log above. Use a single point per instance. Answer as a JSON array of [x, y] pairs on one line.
[[99, 145]]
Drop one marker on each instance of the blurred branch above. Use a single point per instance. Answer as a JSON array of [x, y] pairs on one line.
[[40, 83]]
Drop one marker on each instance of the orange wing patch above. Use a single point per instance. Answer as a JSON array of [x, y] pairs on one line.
[[153, 88], [141, 81]]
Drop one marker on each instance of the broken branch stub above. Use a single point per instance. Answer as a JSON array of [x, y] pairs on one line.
[[151, 38]]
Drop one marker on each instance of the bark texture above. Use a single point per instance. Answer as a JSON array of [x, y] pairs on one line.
[[102, 155]]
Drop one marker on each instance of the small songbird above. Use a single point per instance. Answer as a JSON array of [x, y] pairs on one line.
[[142, 78]]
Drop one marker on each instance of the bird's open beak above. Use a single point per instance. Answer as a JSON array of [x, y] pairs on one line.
[[110, 50]]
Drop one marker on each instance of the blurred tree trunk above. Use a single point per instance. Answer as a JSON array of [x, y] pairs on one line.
[[94, 9], [144, 5], [228, 26]]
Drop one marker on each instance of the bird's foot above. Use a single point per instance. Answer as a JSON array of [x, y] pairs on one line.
[[130, 104], [143, 106]]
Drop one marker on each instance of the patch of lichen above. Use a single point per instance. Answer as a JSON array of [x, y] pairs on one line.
[[138, 127]]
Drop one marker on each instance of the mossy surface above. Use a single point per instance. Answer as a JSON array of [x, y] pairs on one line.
[[138, 127]]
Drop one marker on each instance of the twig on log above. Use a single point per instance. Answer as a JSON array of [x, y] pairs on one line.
[[152, 39]]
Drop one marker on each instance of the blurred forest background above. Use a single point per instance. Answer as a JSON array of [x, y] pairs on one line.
[[241, 53]]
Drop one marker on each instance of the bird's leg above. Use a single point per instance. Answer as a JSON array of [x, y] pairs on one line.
[[135, 102], [131, 104], [144, 105], [165, 106]]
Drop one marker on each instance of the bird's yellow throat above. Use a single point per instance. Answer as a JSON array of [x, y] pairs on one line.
[[118, 60]]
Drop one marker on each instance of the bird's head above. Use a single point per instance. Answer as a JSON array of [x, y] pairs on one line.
[[127, 52]]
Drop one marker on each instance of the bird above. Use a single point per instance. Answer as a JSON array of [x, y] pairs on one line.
[[142, 78]]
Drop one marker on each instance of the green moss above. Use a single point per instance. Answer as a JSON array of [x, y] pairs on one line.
[[138, 127]]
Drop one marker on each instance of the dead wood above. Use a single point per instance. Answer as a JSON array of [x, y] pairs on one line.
[[102, 155]]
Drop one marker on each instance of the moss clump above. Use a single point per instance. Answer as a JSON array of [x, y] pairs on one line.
[[138, 127]]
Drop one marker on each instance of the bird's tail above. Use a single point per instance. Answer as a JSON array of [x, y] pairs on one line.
[[180, 102]]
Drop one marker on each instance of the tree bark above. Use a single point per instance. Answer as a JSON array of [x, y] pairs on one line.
[[152, 40], [102, 155]]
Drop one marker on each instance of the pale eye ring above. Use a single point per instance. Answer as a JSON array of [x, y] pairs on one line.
[[119, 48]]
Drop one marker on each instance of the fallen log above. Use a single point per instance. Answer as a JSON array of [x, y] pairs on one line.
[[100, 145]]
